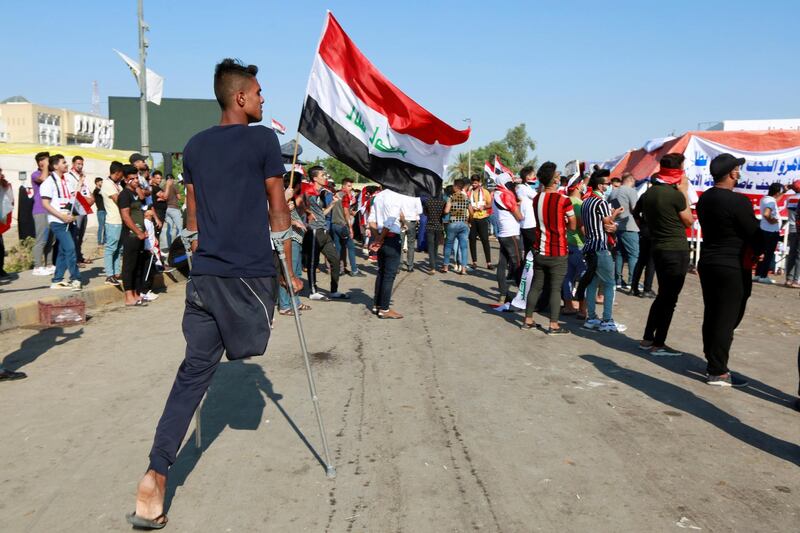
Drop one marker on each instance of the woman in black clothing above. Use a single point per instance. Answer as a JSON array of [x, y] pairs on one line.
[[133, 235], [729, 230]]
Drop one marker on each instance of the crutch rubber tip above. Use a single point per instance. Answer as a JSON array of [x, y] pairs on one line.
[[330, 471]]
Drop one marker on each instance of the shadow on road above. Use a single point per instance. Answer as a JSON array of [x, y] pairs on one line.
[[235, 399], [681, 399], [37, 345], [688, 364]]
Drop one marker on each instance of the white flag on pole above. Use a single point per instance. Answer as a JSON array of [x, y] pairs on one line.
[[155, 83]]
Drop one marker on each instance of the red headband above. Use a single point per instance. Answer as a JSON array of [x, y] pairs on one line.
[[670, 176]]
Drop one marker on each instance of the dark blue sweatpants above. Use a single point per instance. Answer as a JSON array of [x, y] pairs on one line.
[[232, 315]]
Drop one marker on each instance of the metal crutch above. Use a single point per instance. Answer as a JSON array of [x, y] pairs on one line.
[[330, 470], [198, 440]]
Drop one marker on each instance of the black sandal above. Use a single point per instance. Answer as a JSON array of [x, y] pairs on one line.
[[146, 523]]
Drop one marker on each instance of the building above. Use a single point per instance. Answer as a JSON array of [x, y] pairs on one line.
[[756, 125], [24, 122]]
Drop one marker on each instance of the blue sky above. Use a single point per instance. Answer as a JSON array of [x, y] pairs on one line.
[[590, 79]]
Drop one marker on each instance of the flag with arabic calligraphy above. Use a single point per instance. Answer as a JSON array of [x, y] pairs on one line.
[[358, 116]]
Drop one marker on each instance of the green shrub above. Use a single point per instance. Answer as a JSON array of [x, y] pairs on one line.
[[20, 257]]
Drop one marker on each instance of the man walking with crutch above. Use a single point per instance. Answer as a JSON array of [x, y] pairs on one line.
[[230, 297]]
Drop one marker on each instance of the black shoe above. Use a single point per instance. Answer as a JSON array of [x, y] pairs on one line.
[[4, 274], [111, 280], [636, 293], [649, 294], [10, 375]]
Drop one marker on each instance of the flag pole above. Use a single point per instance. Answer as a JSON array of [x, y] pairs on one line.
[[294, 160]]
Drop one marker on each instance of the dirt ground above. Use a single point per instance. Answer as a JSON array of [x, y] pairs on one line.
[[450, 420]]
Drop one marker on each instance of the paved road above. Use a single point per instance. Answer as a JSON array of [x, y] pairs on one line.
[[450, 420]]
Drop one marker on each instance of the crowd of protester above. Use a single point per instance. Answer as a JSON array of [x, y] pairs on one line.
[[567, 245]]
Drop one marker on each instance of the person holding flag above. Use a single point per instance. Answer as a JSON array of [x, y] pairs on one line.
[[82, 206], [57, 193]]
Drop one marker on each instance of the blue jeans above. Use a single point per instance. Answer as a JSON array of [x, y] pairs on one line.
[[605, 274], [101, 227], [174, 224], [297, 266], [627, 243], [112, 255], [388, 265], [341, 234], [66, 260], [456, 231], [576, 266]]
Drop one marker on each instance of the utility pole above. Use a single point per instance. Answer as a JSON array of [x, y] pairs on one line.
[[145, 132], [469, 152]]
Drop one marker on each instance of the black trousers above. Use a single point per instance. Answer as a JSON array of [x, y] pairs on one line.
[[769, 241], [671, 268], [644, 264], [509, 266], [388, 265], [550, 270], [133, 261], [480, 230], [725, 294], [528, 241], [434, 239], [231, 315], [319, 241]]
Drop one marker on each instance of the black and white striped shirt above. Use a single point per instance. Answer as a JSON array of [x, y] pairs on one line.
[[594, 210]]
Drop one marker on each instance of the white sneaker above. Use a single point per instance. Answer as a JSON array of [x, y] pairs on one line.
[[75, 285], [610, 326], [50, 270], [149, 296], [63, 284], [592, 323], [317, 296], [40, 271]]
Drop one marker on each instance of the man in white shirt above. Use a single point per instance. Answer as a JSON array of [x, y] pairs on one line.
[[57, 192], [411, 209], [384, 223], [80, 186], [770, 231], [505, 204], [525, 193]]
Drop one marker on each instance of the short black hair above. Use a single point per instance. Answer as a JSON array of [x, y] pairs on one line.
[[98, 178], [546, 173], [228, 77], [170, 177], [54, 159], [672, 161], [475, 177], [774, 188], [458, 183], [316, 169], [348, 180], [115, 167], [127, 170], [42, 155], [157, 173], [616, 180], [77, 158], [598, 177], [525, 172]]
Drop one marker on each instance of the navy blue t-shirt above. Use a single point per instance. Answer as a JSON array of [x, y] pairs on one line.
[[227, 166]]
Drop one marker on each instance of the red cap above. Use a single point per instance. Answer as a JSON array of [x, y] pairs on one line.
[[795, 186]]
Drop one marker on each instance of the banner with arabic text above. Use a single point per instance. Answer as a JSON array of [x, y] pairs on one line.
[[759, 171]]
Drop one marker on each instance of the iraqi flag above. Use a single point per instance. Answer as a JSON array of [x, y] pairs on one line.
[[278, 127], [358, 116]]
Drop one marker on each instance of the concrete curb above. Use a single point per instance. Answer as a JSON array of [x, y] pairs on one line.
[[27, 313]]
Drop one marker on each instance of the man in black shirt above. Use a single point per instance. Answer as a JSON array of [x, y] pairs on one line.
[[234, 195], [729, 227], [101, 211]]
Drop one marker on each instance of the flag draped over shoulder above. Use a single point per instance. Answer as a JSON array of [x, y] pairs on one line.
[[358, 116]]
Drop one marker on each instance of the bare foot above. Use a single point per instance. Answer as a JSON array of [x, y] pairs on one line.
[[150, 496]]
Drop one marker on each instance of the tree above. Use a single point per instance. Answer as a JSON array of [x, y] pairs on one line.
[[519, 143], [336, 169]]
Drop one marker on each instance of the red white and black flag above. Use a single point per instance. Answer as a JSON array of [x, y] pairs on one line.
[[362, 119]]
